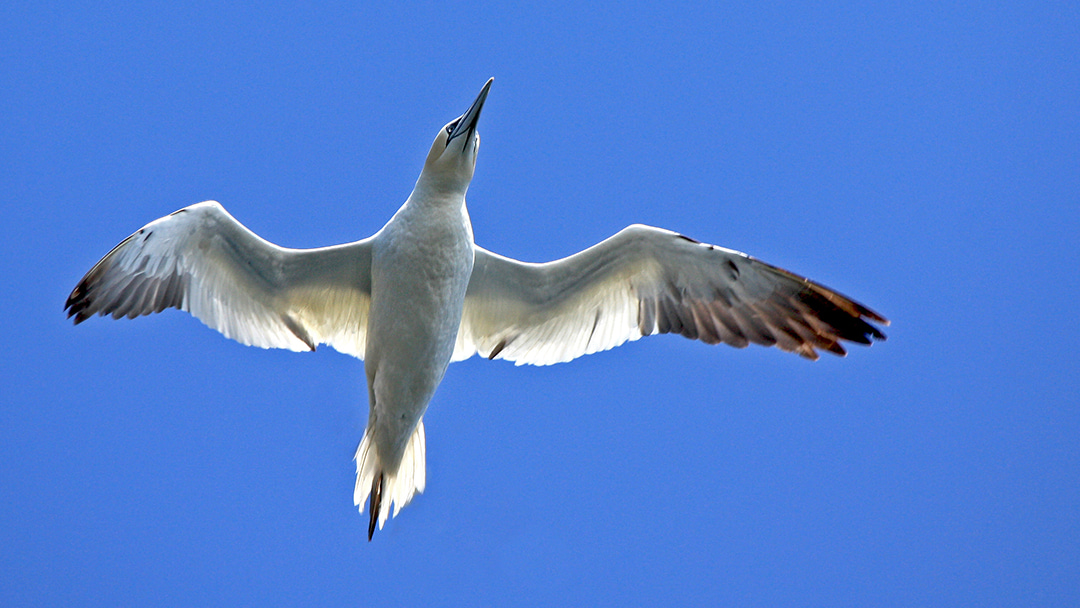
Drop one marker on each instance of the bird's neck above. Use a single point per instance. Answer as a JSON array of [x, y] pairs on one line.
[[438, 191]]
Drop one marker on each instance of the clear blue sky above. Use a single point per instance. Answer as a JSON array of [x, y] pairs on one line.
[[922, 157]]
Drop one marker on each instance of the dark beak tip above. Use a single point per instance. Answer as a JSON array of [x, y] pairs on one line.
[[468, 120]]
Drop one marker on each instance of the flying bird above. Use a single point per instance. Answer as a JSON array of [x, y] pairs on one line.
[[420, 294]]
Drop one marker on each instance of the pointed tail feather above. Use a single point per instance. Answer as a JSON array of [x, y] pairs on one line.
[[374, 505], [385, 487]]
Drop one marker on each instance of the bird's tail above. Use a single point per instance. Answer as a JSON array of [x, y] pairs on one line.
[[386, 487]]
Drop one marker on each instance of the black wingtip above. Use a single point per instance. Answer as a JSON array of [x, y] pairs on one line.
[[76, 304], [374, 505]]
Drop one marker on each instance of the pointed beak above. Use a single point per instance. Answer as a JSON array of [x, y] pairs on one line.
[[467, 123]]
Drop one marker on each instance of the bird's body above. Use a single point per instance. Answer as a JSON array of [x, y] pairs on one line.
[[413, 324], [420, 294], [420, 267]]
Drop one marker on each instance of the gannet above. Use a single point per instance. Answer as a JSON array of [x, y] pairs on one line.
[[419, 294]]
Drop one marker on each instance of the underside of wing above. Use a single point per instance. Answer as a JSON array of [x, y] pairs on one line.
[[646, 281], [201, 260]]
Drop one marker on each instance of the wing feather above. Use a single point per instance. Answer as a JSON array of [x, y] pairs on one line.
[[201, 260], [646, 281]]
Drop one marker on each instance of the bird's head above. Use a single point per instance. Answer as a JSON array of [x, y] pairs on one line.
[[452, 159]]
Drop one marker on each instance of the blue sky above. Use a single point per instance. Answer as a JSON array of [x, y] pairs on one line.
[[923, 158]]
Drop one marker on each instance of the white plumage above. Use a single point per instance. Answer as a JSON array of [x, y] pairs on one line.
[[420, 294]]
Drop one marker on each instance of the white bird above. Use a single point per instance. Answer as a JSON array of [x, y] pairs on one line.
[[420, 294]]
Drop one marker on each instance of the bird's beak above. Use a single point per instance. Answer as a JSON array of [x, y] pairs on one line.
[[467, 123]]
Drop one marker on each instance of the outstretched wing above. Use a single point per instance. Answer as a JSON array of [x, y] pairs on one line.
[[646, 281], [201, 260]]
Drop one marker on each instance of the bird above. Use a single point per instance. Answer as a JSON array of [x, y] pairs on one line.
[[420, 294]]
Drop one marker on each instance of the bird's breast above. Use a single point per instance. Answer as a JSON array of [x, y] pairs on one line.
[[420, 271]]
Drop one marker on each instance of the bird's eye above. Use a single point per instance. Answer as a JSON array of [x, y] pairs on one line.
[[450, 130]]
